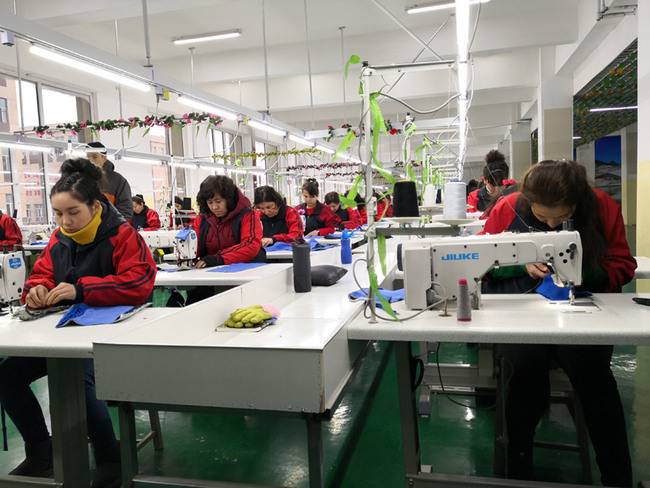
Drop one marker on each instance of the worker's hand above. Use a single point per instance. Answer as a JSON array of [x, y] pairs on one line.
[[200, 264], [537, 270], [267, 241], [37, 297], [313, 233], [63, 291], [251, 316]]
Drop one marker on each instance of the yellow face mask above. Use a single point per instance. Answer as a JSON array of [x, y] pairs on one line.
[[88, 233]]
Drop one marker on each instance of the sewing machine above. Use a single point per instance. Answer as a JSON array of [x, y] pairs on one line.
[[185, 246], [432, 267], [12, 276], [158, 239]]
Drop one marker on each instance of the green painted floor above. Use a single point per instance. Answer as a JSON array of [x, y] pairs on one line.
[[362, 444]]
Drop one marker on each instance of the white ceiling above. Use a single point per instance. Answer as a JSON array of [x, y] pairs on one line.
[[505, 52]]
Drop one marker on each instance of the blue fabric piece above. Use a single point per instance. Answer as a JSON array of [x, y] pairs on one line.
[[278, 246], [553, 292], [391, 296], [319, 246], [347, 234], [82, 314], [183, 233], [233, 268]]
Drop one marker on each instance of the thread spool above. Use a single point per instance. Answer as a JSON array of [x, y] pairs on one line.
[[429, 197], [301, 266], [455, 202], [405, 199], [464, 309]]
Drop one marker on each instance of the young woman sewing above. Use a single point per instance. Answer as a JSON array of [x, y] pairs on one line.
[[350, 218], [143, 217], [93, 257], [320, 220], [551, 193], [280, 223]]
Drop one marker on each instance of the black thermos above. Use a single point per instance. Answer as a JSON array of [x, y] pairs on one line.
[[301, 266]]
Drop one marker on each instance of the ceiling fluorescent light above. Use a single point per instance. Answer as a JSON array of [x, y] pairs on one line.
[[89, 68], [211, 109], [326, 149], [207, 37], [25, 147], [129, 159], [611, 109], [184, 165], [267, 128], [430, 7], [301, 140]]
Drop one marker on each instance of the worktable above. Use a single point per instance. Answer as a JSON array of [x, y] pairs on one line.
[[205, 277], [65, 349], [299, 366], [523, 319]]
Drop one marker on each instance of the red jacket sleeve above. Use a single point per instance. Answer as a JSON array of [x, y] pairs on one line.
[[618, 261], [355, 219], [153, 220], [250, 240], [330, 219], [13, 236], [132, 283], [501, 215], [472, 199], [294, 226]]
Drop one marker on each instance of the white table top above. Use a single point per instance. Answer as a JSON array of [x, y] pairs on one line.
[[39, 338], [205, 277], [642, 271], [530, 319]]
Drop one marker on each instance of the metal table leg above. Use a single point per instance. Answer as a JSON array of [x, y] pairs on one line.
[[408, 414], [315, 451], [69, 430]]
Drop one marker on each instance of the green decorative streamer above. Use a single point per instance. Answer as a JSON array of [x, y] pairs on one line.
[[381, 251], [354, 59], [345, 143], [375, 288]]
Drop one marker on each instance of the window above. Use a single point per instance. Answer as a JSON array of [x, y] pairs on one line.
[[38, 210], [4, 116]]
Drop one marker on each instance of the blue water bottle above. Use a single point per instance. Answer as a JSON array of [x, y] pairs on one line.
[[346, 249]]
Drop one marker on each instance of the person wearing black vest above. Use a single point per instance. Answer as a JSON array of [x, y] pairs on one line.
[[143, 218], [280, 223], [350, 218], [319, 219]]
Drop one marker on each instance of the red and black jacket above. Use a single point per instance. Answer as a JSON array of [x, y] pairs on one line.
[[235, 238], [115, 269], [618, 263], [146, 220], [284, 227], [350, 218], [319, 218], [478, 199], [10, 234]]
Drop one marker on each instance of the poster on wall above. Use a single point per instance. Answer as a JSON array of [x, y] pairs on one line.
[[608, 166]]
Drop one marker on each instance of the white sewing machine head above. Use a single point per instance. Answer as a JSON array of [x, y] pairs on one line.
[[186, 244], [12, 276], [432, 267]]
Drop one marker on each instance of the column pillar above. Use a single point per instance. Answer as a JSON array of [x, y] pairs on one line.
[[643, 144], [554, 109], [586, 156], [519, 159], [629, 141]]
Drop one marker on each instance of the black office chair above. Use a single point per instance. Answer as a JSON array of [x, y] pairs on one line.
[[561, 392]]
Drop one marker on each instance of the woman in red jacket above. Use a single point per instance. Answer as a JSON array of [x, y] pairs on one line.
[[350, 218], [551, 193], [143, 217], [320, 220], [10, 234], [94, 257], [229, 231], [280, 223]]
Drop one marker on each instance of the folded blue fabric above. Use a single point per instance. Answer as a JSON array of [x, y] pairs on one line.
[[319, 246], [233, 268], [278, 246], [553, 292], [82, 314], [183, 233], [391, 296]]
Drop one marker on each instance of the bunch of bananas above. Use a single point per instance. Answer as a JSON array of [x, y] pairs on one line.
[[248, 317]]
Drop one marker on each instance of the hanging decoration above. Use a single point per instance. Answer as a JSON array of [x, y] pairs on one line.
[[167, 121], [331, 130], [256, 155]]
